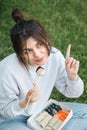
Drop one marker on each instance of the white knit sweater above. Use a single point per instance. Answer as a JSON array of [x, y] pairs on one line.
[[16, 80]]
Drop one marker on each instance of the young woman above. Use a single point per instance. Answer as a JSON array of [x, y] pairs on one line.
[[20, 93]]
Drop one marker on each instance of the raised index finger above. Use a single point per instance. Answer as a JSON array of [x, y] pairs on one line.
[[68, 51]]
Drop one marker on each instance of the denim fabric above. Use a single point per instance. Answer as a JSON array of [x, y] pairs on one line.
[[79, 119], [17, 123], [77, 122]]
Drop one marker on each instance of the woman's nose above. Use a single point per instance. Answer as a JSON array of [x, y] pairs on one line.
[[36, 53]]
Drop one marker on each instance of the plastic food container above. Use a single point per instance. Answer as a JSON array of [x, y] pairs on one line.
[[53, 116]]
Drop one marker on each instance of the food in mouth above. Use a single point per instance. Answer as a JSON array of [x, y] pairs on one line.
[[40, 71]]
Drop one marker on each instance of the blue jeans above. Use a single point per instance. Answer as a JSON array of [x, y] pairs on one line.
[[77, 122], [79, 119], [17, 123]]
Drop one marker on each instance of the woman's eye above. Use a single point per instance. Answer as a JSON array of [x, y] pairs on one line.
[[39, 44], [27, 51]]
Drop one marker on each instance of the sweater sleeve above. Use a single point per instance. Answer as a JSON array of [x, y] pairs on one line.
[[70, 89], [9, 97]]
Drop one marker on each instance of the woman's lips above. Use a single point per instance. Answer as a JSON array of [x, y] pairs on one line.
[[40, 60]]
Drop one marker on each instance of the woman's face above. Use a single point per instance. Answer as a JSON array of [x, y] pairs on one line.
[[35, 52]]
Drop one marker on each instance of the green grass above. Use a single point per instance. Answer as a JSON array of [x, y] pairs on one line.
[[66, 23]]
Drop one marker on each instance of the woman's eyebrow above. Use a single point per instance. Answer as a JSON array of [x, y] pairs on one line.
[[25, 49], [31, 48]]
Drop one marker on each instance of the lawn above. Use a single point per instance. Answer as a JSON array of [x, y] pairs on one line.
[[64, 20]]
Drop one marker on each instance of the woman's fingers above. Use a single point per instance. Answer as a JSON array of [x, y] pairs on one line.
[[34, 92], [68, 51]]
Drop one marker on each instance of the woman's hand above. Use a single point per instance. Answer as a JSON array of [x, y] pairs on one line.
[[31, 96], [72, 65]]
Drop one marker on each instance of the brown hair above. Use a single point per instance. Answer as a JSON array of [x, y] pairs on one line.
[[23, 29]]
